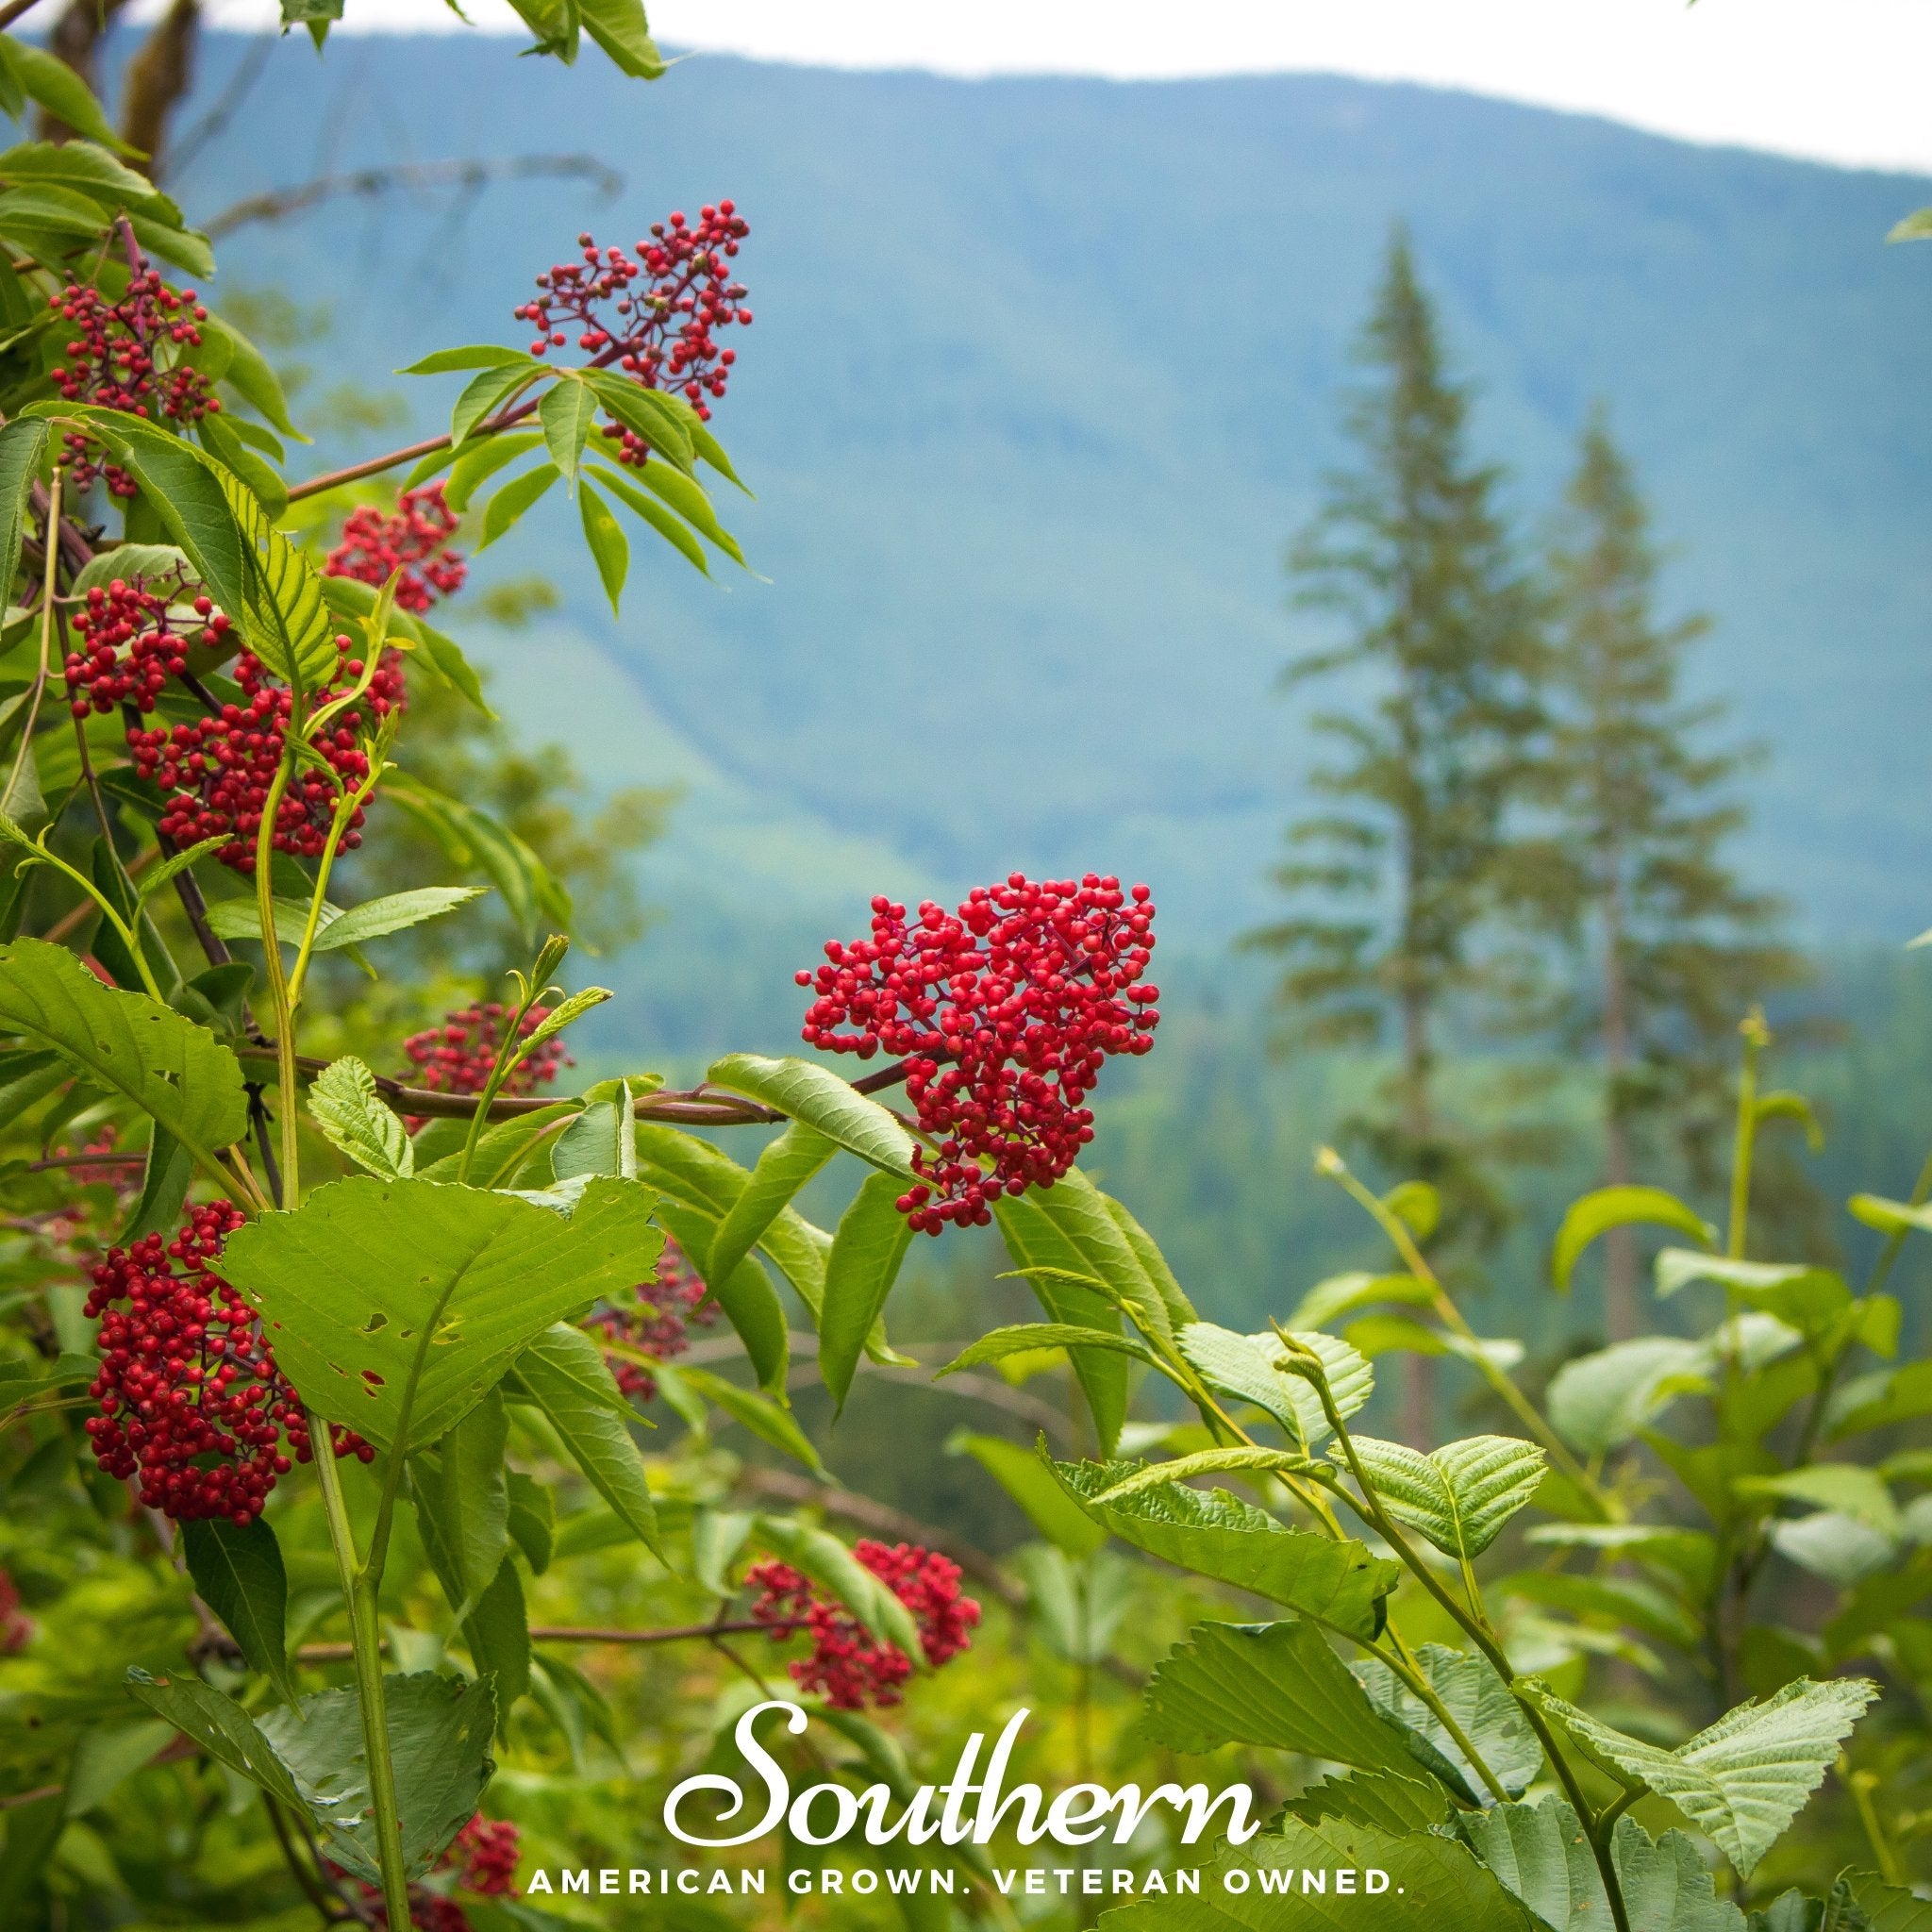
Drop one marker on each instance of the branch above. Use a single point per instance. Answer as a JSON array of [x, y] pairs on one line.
[[278, 203]]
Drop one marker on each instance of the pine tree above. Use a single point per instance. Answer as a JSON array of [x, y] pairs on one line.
[[1677, 947], [1410, 551]]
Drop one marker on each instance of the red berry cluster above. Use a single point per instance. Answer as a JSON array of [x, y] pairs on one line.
[[135, 617], [1004, 1014], [103, 1140], [483, 1857], [16, 1626], [217, 771], [663, 334], [848, 1664], [113, 361], [666, 1307], [191, 1402], [457, 1055], [413, 539]]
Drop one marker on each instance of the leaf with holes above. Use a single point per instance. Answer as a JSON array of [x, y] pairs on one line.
[[125, 1043], [1742, 1780], [395, 1307], [1461, 1496]]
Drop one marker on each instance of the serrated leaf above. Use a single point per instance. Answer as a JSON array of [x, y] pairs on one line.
[[867, 1250], [238, 1571], [1184, 1469], [1462, 1494], [687, 497], [1598, 1402], [1742, 1780], [285, 617], [1811, 1300], [373, 1291], [357, 1122], [439, 1734], [220, 1726], [647, 413], [374, 919], [804, 1090], [1597, 1213], [1028, 1338], [177, 1073], [1244, 1366], [175, 863], [1337, 1582], [564, 1374], [1401, 1801], [1279, 1686], [1483, 1709]]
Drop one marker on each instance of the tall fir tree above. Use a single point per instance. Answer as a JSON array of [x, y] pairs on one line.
[[1677, 948], [1395, 884]]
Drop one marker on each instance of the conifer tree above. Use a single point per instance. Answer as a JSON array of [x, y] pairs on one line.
[[1675, 947], [1395, 884]]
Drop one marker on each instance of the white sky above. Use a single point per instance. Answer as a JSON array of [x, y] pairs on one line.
[[1839, 80]]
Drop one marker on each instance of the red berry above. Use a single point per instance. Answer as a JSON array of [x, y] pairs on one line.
[[667, 1306], [412, 539]]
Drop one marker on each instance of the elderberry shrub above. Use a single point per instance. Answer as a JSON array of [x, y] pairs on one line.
[[192, 1403], [481, 1860], [847, 1664], [114, 362], [664, 334], [413, 539], [135, 617], [458, 1055], [1004, 1014]]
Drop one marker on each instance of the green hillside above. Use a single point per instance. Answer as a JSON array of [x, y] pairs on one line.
[[1043, 372]]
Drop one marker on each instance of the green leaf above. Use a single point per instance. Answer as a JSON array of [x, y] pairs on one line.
[[435, 651], [663, 422], [472, 356], [164, 1183], [1461, 1496], [671, 528], [765, 1420], [1035, 1489], [171, 868], [88, 169], [784, 1167], [1892, 1217], [866, 1251], [1916, 226], [1483, 1709], [56, 86], [533, 1514], [1542, 1856], [687, 497], [106, 1757], [1337, 1583], [237, 1574], [1435, 1884], [378, 1293], [1244, 1366], [566, 415], [1741, 1781], [250, 376], [1279, 1686], [502, 1148], [618, 26], [1849, 1488], [376, 918], [471, 839], [1028, 1338], [463, 1498], [1642, 1605], [1608, 1207], [482, 460], [1401, 1801], [602, 1139], [609, 549], [22, 443], [1811, 1300], [1114, 1249], [220, 1726], [1053, 1266], [357, 1122], [565, 1375], [1341, 1294], [177, 1073], [1417, 1205], [820, 1556], [1890, 1908], [498, 1634], [804, 1090], [1182, 1469], [284, 615], [484, 395], [1077, 1607], [130, 560], [1598, 1402], [514, 501], [438, 1738]]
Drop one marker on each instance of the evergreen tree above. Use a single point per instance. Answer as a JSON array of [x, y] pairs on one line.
[[1677, 948], [1396, 883]]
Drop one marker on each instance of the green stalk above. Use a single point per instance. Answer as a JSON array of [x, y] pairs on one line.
[[277, 980], [511, 1051], [1756, 1037], [45, 666]]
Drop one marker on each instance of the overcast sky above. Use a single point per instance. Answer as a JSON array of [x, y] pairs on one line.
[[1839, 80]]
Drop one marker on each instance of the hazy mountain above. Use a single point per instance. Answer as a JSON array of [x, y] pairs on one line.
[[1044, 372]]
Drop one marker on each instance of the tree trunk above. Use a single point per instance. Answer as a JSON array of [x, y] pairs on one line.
[[1620, 1245]]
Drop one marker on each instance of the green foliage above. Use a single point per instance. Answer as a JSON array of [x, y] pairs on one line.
[[1459, 1496]]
